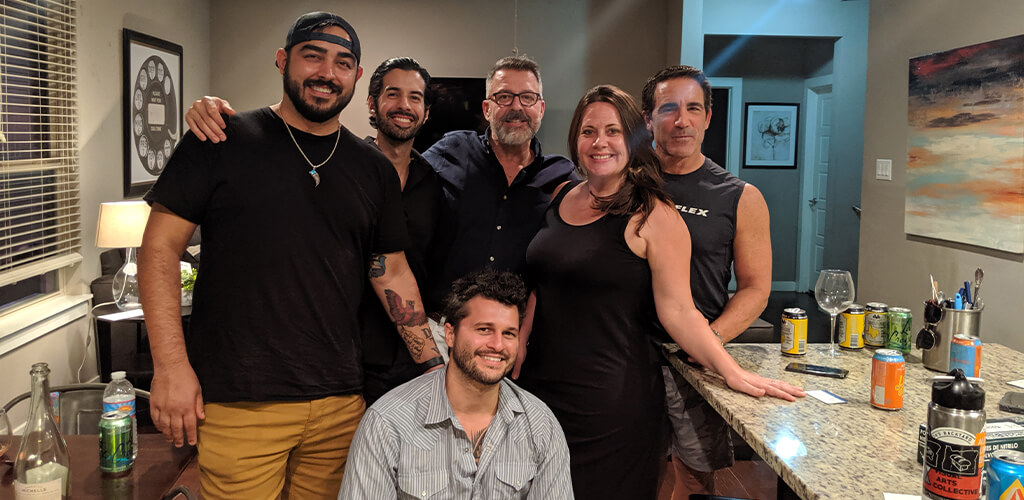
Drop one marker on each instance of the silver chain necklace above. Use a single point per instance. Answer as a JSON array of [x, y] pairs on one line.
[[312, 172]]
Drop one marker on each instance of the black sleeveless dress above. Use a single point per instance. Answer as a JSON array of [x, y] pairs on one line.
[[590, 357]]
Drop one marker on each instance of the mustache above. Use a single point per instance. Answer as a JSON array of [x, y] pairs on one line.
[[402, 113], [517, 114], [323, 83]]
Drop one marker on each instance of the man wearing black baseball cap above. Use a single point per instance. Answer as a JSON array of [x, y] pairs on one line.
[[295, 211]]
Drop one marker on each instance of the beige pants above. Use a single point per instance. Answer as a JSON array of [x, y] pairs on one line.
[[295, 449]]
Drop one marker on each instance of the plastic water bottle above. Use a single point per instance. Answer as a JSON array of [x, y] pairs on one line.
[[120, 395]]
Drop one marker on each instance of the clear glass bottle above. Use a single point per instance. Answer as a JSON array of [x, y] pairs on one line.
[[43, 467]]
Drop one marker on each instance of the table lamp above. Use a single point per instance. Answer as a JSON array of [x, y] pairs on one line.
[[120, 225]]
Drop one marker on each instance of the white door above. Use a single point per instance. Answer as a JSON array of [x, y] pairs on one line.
[[815, 177]]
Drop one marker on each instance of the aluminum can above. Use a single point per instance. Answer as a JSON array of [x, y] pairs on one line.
[[876, 324], [965, 354], [897, 334], [116, 443], [1005, 475], [887, 371], [794, 331], [851, 327]]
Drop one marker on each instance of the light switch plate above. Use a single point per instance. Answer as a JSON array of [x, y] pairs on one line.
[[883, 169]]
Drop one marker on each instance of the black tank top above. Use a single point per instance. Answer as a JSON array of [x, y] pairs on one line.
[[707, 199]]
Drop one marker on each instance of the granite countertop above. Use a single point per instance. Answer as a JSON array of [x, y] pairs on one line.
[[849, 450]]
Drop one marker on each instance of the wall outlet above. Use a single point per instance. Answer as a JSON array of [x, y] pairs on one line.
[[883, 169]]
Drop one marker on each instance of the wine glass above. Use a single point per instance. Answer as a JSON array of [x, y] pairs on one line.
[[5, 437], [834, 292]]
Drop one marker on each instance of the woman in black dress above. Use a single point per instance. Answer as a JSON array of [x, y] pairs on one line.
[[611, 260]]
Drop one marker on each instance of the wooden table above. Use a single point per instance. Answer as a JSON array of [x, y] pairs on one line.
[[156, 471], [849, 450]]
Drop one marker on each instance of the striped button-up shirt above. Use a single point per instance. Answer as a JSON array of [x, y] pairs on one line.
[[410, 445]]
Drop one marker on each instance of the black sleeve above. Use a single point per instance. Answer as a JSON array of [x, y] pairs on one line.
[[392, 232], [188, 180]]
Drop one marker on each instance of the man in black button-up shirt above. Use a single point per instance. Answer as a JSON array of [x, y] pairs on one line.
[[497, 184]]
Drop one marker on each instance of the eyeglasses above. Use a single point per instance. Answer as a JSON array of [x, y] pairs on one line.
[[527, 99], [932, 316]]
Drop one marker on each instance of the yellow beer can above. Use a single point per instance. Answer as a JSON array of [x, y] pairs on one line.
[[851, 327], [794, 331]]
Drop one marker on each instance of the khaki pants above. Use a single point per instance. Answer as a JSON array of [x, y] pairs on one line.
[[295, 449]]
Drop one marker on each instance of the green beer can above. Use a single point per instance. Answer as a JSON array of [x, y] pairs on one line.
[[898, 332], [116, 443]]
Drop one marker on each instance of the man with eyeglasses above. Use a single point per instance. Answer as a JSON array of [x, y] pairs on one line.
[[497, 184]]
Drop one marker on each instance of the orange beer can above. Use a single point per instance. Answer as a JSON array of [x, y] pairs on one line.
[[887, 371]]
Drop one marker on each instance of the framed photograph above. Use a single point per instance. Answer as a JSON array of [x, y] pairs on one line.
[[152, 108], [770, 135]]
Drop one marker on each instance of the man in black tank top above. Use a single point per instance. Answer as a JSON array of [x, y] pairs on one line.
[[728, 223]]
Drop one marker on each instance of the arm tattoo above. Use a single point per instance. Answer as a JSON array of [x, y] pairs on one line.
[[377, 267], [477, 438], [403, 314]]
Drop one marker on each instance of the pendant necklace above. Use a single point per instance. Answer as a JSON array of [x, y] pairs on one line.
[[312, 172]]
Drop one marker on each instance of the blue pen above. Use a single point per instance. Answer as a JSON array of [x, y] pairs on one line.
[[967, 292], [958, 301]]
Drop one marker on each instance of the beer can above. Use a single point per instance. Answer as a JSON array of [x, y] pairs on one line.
[[898, 330], [116, 443], [851, 327], [876, 324], [794, 331], [965, 354], [887, 371], [1005, 473]]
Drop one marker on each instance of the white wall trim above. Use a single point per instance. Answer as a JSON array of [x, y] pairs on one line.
[[20, 327], [734, 119]]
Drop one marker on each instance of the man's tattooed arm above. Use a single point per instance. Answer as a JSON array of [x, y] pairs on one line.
[[410, 320], [396, 288]]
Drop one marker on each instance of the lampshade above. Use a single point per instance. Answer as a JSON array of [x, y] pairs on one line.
[[121, 224]]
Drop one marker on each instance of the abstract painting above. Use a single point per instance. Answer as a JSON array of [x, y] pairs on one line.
[[965, 151]]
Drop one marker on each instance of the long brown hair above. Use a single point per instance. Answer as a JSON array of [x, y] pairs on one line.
[[642, 184]]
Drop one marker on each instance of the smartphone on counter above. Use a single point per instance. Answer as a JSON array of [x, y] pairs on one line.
[[824, 371]]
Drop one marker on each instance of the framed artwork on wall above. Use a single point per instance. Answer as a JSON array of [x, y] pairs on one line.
[[965, 153], [770, 135], [151, 106]]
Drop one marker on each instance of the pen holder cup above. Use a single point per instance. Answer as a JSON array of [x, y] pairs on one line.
[[953, 322]]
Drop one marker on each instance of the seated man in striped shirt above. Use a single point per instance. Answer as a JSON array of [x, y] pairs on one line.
[[465, 431]]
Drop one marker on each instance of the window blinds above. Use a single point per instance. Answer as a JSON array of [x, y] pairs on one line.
[[40, 223]]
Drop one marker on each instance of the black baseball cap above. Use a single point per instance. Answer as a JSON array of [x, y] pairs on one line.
[[306, 26]]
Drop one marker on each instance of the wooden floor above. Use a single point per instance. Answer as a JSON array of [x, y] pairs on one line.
[[747, 479]]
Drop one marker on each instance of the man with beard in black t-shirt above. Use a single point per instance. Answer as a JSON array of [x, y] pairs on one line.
[[296, 211]]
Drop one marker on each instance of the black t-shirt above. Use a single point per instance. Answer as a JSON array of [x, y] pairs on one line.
[[707, 198], [284, 263]]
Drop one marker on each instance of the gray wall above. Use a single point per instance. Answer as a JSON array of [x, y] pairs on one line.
[[781, 187], [578, 43], [895, 267]]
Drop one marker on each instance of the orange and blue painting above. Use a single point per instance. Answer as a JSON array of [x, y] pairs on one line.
[[965, 153]]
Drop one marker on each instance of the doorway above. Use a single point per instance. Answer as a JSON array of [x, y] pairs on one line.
[[814, 179]]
